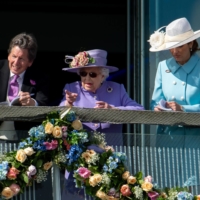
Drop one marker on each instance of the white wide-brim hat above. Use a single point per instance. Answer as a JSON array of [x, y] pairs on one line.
[[178, 33], [88, 59]]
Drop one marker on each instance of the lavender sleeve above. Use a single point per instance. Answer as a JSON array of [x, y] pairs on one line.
[[126, 102]]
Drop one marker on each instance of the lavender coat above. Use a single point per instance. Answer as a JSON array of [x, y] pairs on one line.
[[110, 92]]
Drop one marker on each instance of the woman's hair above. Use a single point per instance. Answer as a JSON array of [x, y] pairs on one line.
[[25, 41], [104, 71], [195, 47]]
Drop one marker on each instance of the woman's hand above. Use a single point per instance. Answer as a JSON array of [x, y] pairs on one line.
[[157, 109], [173, 105], [102, 104], [70, 98]]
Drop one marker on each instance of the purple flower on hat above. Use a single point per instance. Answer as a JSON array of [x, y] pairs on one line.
[[32, 82]]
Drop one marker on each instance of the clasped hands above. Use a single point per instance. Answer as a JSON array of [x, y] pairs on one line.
[[71, 98]]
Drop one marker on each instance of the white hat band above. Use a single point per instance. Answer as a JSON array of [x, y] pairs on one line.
[[180, 37]]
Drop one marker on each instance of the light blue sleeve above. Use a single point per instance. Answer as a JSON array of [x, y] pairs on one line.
[[158, 92]]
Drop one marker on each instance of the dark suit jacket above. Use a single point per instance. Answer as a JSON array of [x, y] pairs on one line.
[[40, 88]]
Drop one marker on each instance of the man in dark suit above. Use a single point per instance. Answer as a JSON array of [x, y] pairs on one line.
[[33, 86]]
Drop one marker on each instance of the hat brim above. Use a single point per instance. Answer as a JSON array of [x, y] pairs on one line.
[[111, 68], [171, 45]]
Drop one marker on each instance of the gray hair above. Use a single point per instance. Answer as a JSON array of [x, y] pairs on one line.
[[104, 71], [25, 41]]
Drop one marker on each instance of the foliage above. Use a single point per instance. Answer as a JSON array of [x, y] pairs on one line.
[[97, 168]]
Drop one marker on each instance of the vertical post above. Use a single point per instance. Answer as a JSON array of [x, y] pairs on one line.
[[55, 174], [142, 59], [128, 61]]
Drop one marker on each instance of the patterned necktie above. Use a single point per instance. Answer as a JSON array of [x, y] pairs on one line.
[[13, 88]]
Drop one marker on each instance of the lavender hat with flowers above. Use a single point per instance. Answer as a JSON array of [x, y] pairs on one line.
[[91, 58], [178, 33]]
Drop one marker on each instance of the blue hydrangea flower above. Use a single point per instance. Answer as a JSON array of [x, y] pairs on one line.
[[105, 168], [71, 116], [38, 145], [32, 131], [74, 153], [3, 170], [22, 145], [184, 196]]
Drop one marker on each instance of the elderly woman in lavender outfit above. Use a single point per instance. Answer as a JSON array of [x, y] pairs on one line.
[[93, 91]]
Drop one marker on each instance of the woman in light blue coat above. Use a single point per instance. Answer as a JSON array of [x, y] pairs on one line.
[[177, 80]]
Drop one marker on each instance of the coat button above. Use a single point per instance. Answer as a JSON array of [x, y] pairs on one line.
[[173, 97], [183, 83], [182, 98], [174, 82]]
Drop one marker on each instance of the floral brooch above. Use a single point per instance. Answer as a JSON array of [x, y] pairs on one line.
[[80, 60]]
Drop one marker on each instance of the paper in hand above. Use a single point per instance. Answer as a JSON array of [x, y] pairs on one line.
[[161, 105]]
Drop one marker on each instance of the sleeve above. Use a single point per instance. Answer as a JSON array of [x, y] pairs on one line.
[[66, 87], [126, 102], [158, 92], [42, 93], [191, 108]]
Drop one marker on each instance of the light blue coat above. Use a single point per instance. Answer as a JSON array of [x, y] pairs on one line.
[[180, 84]]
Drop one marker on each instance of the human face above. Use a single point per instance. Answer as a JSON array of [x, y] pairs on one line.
[[182, 54], [18, 60], [89, 83]]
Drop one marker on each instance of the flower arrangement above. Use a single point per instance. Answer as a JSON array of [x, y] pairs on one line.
[[81, 59], [61, 139]]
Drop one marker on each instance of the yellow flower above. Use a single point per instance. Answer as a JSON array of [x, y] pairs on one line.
[[49, 128], [131, 180], [77, 125], [94, 180], [21, 155], [7, 193], [29, 151], [147, 186], [47, 165], [125, 175], [101, 195], [57, 132]]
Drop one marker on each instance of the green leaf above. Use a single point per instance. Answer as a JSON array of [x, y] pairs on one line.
[[39, 163], [25, 178]]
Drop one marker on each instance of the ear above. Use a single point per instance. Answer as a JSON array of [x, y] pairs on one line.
[[190, 44]]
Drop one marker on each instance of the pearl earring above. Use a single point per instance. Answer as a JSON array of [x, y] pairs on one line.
[[191, 49]]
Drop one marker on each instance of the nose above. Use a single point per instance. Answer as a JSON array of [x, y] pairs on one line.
[[16, 61], [174, 50]]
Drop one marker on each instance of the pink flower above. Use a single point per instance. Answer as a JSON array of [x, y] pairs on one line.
[[84, 172], [51, 145], [153, 195], [15, 188], [148, 179], [54, 144], [64, 128], [125, 190], [32, 82], [48, 145], [12, 173]]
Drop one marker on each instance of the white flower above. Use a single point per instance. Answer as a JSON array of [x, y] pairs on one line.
[[157, 39]]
